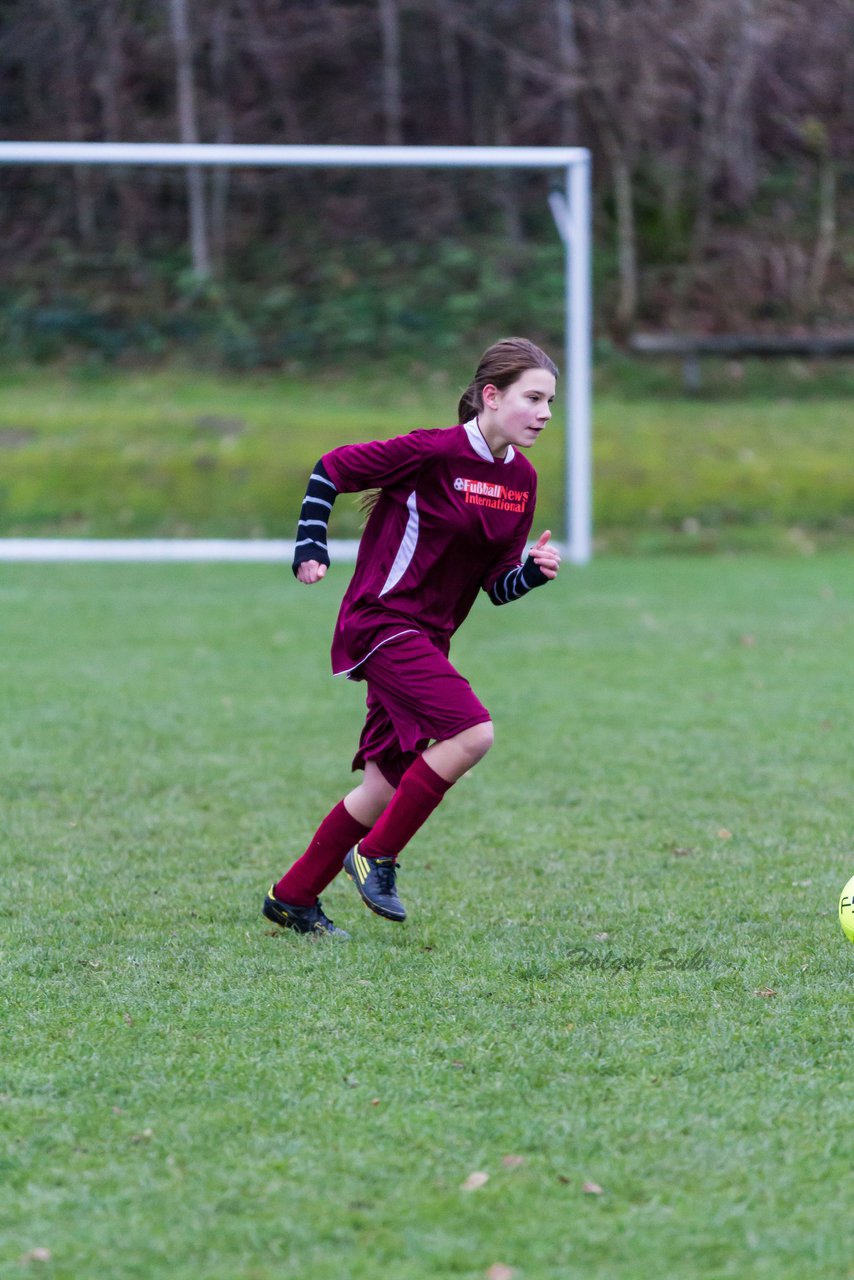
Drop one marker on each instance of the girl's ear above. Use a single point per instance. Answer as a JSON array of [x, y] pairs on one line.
[[490, 395]]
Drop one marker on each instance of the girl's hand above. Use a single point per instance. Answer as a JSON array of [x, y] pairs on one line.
[[311, 571], [545, 557]]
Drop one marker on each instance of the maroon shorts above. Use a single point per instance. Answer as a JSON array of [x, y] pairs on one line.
[[415, 697]]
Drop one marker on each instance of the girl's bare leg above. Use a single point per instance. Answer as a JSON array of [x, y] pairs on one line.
[[366, 802]]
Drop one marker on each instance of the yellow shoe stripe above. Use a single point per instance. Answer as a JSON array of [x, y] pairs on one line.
[[362, 867]]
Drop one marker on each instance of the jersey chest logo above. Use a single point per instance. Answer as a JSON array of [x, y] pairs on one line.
[[481, 493]]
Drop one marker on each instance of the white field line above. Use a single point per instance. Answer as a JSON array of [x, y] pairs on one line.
[[160, 549]]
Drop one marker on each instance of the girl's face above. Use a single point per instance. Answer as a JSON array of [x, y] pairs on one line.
[[517, 414]]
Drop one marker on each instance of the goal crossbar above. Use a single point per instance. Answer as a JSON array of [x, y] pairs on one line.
[[570, 203]]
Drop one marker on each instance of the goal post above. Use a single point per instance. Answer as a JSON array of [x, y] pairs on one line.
[[570, 203]]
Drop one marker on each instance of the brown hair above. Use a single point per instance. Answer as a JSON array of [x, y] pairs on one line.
[[501, 364]]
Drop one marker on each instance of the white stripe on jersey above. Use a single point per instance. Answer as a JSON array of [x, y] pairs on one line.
[[406, 550], [322, 479], [410, 631]]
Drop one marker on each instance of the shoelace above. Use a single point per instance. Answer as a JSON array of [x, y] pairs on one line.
[[386, 876]]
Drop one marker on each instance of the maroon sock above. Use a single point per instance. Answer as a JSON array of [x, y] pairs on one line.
[[322, 860], [420, 791]]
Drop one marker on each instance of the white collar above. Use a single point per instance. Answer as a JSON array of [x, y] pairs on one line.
[[481, 448]]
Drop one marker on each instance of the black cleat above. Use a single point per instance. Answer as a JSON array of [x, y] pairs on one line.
[[300, 919], [375, 880]]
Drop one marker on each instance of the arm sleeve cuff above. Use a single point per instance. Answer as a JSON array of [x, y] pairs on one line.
[[320, 495], [517, 582]]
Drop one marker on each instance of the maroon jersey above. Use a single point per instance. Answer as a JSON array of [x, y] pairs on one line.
[[449, 520]]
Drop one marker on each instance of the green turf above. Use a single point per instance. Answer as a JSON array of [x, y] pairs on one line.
[[177, 452], [659, 835]]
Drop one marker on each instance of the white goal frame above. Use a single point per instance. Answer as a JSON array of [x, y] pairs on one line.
[[570, 203]]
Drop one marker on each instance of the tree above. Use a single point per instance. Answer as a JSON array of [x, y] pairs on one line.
[[219, 74], [567, 58], [189, 130], [392, 94], [73, 95]]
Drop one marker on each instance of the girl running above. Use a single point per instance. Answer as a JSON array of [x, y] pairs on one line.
[[452, 516]]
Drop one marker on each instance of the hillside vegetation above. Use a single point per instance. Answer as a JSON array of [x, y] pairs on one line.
[[721, 135]]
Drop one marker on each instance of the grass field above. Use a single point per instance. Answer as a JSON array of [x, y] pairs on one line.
[[762, 463], [622, 966]]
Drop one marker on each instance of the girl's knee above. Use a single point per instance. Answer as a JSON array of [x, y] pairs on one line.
[[478, 740], [452, 757]]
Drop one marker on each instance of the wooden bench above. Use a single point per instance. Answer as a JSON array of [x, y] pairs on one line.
[[690, 347]]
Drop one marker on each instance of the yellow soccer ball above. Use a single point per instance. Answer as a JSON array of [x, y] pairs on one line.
[[846, 910]]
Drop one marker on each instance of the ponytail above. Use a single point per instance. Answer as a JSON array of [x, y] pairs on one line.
[[367, 502], [470, 405]]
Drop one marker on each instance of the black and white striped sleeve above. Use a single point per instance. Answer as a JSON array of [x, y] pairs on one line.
[[310, 543], [517, 582]]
